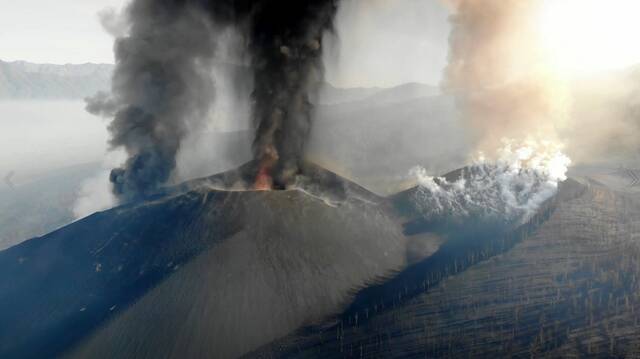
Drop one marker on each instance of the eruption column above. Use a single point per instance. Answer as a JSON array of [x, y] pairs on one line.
[[286, 45], [163, 86]]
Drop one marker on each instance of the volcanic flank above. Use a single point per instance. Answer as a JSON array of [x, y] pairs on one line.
[[196, 270], [203, 271]]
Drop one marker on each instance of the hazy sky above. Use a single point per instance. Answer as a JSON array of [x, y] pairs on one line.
[[389, 42], [381, 42], [60, 31]]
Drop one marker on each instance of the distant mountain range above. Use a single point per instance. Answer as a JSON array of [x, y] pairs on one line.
[[25, 80]]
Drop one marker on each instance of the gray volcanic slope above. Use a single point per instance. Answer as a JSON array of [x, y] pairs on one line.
[[569, 288], [195, 272], [294, 260]]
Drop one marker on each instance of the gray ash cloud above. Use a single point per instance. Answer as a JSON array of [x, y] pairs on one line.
[[163, 88]]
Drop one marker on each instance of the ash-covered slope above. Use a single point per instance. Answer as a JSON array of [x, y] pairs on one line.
[[295, 260], [196, 271]]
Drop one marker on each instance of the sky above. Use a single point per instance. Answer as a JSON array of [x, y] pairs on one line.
[[388, 42], [58, 32], [380, 42]]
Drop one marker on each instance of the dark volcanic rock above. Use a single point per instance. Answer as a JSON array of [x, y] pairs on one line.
[[195, 272], [295, 260]]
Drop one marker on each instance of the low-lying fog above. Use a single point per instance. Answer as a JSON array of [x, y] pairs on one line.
[[40, 136]]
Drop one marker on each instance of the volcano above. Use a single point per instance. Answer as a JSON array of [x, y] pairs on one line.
[[199, 268], [326, 267]]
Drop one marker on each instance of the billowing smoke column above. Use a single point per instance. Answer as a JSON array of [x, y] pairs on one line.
[[286, 44], [502, 78], [163, 87]]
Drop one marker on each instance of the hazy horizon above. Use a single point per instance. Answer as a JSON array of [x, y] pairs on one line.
[[378, 43]]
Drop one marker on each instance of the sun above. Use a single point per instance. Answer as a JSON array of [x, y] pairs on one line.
[[585, 36]]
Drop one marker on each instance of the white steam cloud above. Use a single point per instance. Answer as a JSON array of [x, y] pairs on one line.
[[512, 187]]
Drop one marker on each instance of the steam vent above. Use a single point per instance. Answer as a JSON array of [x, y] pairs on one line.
[[326, 269]]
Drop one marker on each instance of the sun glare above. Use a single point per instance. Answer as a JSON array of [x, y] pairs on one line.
[[585, 36]]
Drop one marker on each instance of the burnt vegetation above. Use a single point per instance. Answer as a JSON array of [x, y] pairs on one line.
[[563, 285]]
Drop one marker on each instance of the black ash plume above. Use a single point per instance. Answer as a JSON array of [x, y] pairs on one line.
[[286, 48], [162, 86]]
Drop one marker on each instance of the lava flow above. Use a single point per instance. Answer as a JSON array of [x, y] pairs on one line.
[[264, 181]]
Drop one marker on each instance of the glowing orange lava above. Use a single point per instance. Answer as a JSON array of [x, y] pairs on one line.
[[264, 182]]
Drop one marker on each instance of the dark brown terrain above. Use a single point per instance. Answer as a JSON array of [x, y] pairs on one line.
[[569, 288]]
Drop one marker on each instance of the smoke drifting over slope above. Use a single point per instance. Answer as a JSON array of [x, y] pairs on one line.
[[509, 80], [512, 101], [163, 88], [500, 74]]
